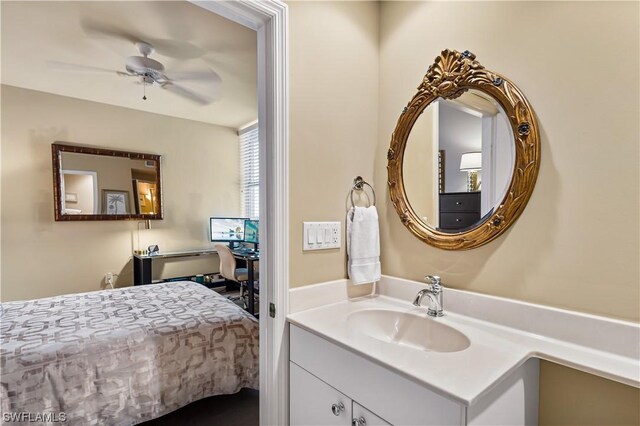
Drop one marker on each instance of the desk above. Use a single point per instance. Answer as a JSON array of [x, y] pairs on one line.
[[142, 263], [142, 267], [250, 259]]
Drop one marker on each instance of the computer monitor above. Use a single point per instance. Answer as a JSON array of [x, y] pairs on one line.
[[227, 229], [251, 231]]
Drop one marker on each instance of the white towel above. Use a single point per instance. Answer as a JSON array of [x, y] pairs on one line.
[[363, 245]]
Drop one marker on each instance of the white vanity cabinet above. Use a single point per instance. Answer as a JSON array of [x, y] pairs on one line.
[[326, 378], [313, 402]]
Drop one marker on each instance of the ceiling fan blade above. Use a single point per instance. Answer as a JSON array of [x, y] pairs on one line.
[[165, 13], [187, 94], [176, 49], [66, 67], [209, 76], [100, 30]]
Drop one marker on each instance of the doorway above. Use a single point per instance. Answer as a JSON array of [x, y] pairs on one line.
[[269, 19], [80, 189]]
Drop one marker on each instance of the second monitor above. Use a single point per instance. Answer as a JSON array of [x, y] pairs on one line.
[[251, 231]]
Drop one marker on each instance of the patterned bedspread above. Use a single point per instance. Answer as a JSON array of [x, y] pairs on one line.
[[124, 356]]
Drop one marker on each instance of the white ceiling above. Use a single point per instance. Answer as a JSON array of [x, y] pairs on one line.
[[186, 37]]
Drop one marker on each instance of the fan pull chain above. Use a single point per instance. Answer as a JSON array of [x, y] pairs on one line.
[[144, 87]]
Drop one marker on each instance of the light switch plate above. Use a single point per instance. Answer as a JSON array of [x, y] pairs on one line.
[[321, 235]]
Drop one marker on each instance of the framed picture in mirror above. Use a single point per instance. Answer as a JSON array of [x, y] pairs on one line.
[[71, 197], [115, 202]]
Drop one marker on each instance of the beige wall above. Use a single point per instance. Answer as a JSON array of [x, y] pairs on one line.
[[333, 121], [571, 397], [570, 248], [555, 254], [41, 257]]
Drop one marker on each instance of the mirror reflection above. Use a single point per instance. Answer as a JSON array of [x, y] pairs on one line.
[[114, 183], [98, 184], [458, 161]]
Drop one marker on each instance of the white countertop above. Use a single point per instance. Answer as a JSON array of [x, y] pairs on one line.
[[495, 350]]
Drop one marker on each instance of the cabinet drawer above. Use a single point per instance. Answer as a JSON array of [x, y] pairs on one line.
[[312, 401], [458, 220], [464, 202]]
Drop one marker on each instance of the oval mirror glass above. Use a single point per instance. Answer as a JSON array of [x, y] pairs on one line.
[[458, 161]]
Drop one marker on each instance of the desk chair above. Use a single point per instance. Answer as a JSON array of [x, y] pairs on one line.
[[229, 270]]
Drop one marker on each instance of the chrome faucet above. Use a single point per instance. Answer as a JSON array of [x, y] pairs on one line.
[[434, 293]]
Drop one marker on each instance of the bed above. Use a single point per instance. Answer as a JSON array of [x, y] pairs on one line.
[[124, 356]]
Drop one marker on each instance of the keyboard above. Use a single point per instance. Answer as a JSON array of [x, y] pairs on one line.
[[244, 251]]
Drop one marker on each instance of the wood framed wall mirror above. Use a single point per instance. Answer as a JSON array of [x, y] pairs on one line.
[[92, 183], [464, 156]]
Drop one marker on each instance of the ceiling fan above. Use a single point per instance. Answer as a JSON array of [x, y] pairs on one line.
[[151, 72]]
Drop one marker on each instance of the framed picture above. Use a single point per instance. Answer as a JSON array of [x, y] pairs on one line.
[[115, 201], [71, 197]]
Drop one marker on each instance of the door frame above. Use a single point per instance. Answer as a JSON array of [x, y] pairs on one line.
[[269, 18], [94, 175]]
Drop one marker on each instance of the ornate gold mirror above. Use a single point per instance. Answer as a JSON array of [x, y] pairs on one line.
[[92, 183], [464, 155]]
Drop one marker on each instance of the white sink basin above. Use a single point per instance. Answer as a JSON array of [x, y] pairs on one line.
[[414, 331]]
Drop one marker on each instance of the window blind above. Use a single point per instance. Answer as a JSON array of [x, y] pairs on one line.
[[249, 171]]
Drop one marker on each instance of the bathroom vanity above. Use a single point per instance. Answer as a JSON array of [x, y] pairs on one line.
[[331, 385], [378, 360]]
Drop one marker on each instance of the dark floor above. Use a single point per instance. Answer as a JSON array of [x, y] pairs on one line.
[[234, 295], [240, 409]]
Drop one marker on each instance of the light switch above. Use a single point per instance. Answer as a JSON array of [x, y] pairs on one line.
[[311, 235], [321, 235]]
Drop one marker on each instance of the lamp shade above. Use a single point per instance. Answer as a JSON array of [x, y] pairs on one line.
[[470, 161]]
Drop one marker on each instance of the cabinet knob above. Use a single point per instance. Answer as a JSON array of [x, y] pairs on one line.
[[458, 220], [359, 422], [338, 408], [458, 203]]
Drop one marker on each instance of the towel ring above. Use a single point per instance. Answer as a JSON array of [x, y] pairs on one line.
[[358, 185]]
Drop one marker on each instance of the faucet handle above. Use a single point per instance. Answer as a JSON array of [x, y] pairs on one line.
[[433, 279], [434, 282]]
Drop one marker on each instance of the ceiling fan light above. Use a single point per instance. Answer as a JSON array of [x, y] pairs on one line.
[[142, 64]]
